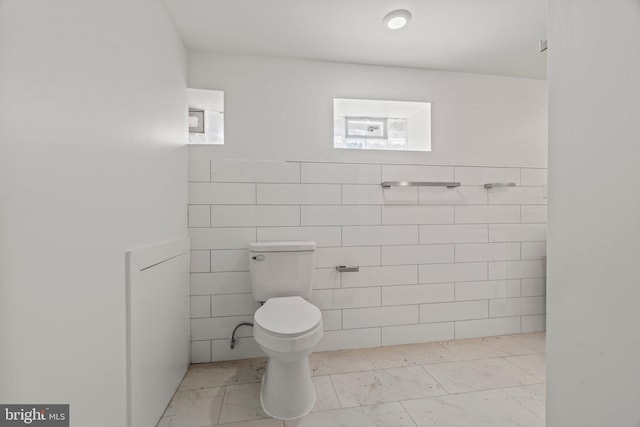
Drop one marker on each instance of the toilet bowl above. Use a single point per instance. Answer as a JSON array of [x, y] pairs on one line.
[[287, 329]]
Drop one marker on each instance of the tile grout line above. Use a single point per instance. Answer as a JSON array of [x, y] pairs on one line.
[[424, 368], [408, 413], [224, 395], [520, 403], [336, 391]]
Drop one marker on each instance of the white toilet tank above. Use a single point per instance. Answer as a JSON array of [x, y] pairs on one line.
[[281, 269]]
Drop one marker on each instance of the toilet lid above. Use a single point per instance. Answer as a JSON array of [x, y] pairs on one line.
[[287, 316]]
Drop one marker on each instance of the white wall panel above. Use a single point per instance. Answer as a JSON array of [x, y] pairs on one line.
[[380, 235], [471, 252], [379, 316], [417, 294], [299, 194], [340, 173], [462, 272], [465, 195], [517, 269], [327, 299], [417, 254], [323, 236], [199, 216], [381, 276], [482, 175], [475, 233], [201, 193], [242, 216], [416, 334], [516, 306], [240, 170], [488, 289], [157, 300], [222, 238], [534, 177], [517, 196], [348, 256], [448, 311], [417, 173], [487, 214], [517, 232], [417, 214], [377, 195], [340, 215], [487, 327]]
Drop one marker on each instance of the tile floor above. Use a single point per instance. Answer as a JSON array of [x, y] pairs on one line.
[[482, 382]]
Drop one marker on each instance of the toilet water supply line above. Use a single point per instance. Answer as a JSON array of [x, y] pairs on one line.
[[234, 339]]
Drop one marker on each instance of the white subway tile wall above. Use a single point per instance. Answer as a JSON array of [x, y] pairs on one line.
[[435, 263]]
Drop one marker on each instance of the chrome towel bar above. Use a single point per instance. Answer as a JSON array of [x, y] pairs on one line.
[[345, 269], [500, 184], [387, 184]]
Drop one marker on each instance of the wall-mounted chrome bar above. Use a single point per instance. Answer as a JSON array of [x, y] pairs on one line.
[[345, 269], [500, 184], [387, 184], [542, 45]]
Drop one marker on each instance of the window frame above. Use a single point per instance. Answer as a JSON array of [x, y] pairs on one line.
[[384, 121]]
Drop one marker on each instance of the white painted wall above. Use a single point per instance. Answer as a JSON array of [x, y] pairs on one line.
[[593, 357], [92, 163], [283, 109]]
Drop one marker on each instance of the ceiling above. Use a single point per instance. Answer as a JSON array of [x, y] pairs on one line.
[[477, 36]]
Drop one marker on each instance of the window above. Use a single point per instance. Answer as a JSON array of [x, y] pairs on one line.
[[196, 121], [381, 125], [366, 127], [206, 116]]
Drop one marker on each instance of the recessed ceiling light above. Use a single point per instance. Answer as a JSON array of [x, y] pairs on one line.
[[397, 19]]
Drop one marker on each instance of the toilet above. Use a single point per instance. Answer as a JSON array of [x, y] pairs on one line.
[[286, 327]]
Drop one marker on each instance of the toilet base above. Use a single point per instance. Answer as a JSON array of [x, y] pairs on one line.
[[287, 392]]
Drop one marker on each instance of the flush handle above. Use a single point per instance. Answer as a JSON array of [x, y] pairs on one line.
[[345, 269], [258, 257]]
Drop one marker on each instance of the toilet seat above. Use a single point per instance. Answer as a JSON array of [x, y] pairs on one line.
[[288, 316]]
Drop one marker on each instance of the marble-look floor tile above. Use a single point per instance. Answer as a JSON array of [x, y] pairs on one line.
[[241, 403], [532, 363], [483, 374], [326, 397], [490, 408], [338, 362], [229, 392], [536, 341], [384, 415], [195, 407], [481, 348], [267, 422], [508, 344], [177, 421], [407, 355], [207, 375], [389, 385], [530, 396]]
